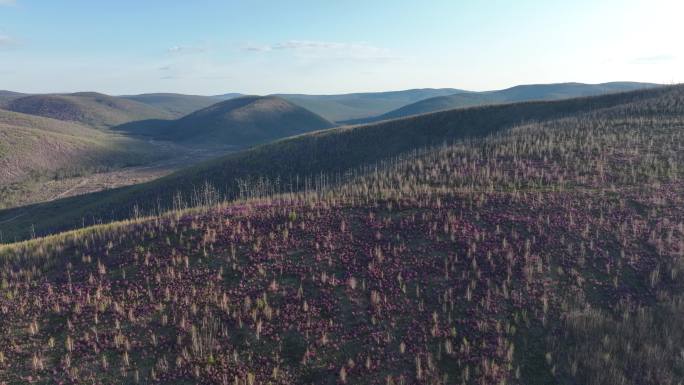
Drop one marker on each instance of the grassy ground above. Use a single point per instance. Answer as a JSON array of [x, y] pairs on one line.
[[550, 252], [36, 150], [42, 159], [313, 160]]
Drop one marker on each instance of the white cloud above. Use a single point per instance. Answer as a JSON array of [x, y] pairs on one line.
[[185, 49], [654, 59], [325, 49], [256, 48], [5, 40], [316, 45]]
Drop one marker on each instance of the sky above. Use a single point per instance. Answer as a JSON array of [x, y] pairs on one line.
[[333, 46]]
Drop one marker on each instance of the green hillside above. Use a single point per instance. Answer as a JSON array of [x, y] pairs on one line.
[[343, 107], [510, 95], [177, 104], [237, 122], [34, 148], [291, 164], [90, 108]]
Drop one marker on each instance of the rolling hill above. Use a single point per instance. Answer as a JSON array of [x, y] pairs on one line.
[[344, 107], [509, 95], [34, 148], [177, 104], [304, 161], [6, 96], [547, 253], [236, 122], [90, 108]]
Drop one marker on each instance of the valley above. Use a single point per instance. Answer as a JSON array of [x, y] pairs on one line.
[[176, 157]]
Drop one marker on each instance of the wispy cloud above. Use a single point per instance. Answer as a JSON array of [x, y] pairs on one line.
[[8, 2], [326, 49], [185, 49], [318, 45], [654, 59], [249, 47], [6, 41], [193, 68], [169, 72]]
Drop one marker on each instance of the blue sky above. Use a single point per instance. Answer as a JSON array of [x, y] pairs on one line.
[[326, 46]]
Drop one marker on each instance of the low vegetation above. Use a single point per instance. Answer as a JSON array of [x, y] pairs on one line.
[[89, 108], [34, 149], [6, 96], [296, 163], [525, 255]]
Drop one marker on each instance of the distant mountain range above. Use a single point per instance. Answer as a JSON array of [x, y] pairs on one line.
[[49, 134], [176, 104], [90, 108], [352, 108], [228, 120], [343, 107], [239, 122], [332, 107], [6, 96], [333, 151], [179, 104], [509, 95]]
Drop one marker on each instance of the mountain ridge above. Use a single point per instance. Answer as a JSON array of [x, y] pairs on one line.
[[519, 93], [330, 152], [343, 107], [239, 122], [91, 108]]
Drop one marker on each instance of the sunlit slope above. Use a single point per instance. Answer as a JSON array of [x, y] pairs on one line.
[[550, 252], [33, 145], [285, 165], [510, 95]]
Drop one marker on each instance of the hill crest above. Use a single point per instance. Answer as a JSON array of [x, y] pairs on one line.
[[241, 121], [91, 108], [519, 93]]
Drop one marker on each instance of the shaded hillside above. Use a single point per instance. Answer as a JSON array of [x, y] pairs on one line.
[[6, 96], [237, 122], [286, 164], [89, 108], [343, 107], [549, 253], [514, 94], [177, 104], [33, 148]]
